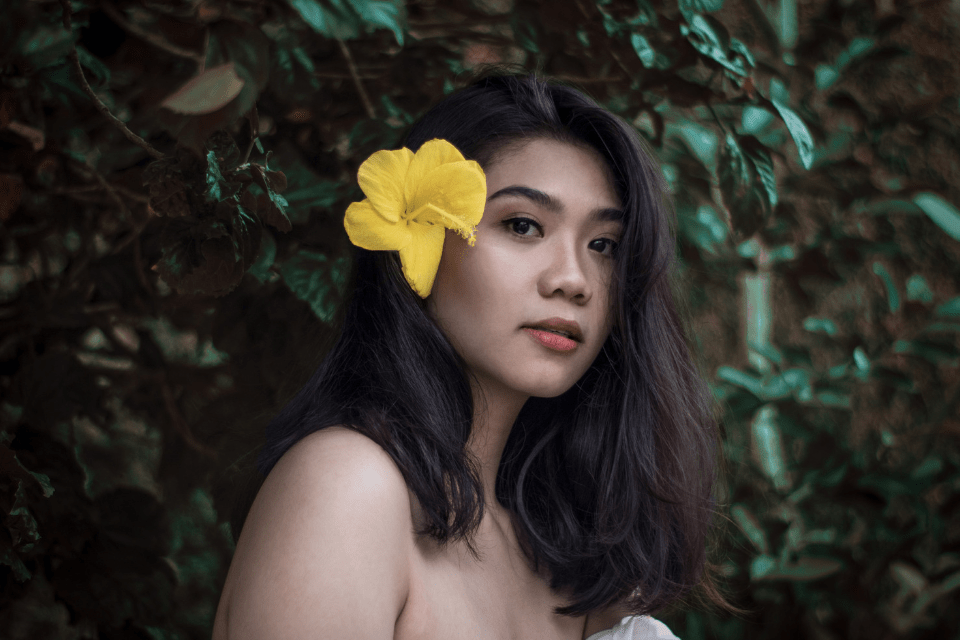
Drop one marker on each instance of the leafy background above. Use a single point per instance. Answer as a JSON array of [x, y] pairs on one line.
[[173, 258]]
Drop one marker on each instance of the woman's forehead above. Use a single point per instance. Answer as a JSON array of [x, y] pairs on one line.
[[553, 174]]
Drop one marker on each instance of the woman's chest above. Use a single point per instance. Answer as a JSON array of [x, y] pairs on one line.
[[453, 596]]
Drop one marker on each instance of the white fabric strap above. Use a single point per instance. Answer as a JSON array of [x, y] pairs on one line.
[[636, 628]]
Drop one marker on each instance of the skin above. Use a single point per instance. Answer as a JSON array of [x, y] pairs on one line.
[[329, 550], [532, 261]]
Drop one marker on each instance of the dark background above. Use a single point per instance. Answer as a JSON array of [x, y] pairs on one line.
[[160, 301]]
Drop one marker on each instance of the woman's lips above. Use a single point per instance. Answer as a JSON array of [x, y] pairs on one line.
[[552, 340]]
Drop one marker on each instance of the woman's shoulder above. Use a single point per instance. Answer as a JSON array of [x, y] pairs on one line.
[[339, 468], [337, 474], [332, 524], [333, 453]]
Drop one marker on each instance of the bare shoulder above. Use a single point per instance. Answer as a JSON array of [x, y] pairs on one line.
[[337, 452], [326, 546]]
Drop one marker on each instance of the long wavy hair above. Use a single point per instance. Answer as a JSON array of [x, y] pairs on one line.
[[609, 484]]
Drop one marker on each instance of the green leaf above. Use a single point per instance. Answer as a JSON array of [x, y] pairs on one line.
[[798, 131], [893, 296], [782, 253], [893, 206], [918, 290], [820, 325], [209, 256], [935, 351], [738, 47], [862, 363], [690, 7], [763, 165], [44, 481], [758, 314], [402, 118], [211, 90], [835, 399], [10, 558], [11, 467], [804, 569], [248, 49], [949, 309], [260, 269], [909, 578], [740, 379], [330, 21], [769, 352], [886, 486], [797, 379], [768, 446], [929, 467], [710, 38], [643, 50], [45, 46], [824, 76], [761, 566], [93, 64], [740, 190], [750, 526], [701, 141], [705, 229], [755, 119], [303, 58], [942, 327], [859, 46], [271, 206], [213, 178], [832, 478], [314, 15], [315, 279], [382, 14], [788, 24], [940, 211]]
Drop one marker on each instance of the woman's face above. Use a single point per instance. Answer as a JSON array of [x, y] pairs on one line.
[[542, 263]]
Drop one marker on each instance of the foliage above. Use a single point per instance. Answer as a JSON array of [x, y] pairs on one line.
[[165, 288]]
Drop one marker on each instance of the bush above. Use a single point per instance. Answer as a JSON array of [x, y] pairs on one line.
[[172, 185]]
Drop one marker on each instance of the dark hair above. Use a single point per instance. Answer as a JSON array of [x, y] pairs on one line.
[[610, 483]]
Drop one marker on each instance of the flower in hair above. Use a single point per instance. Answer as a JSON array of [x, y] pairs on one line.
[[411, 199]]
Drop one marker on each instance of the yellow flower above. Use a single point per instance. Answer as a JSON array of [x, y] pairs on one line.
[[411, 199]]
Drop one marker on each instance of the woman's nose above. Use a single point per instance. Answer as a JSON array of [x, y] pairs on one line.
[[564, 274]]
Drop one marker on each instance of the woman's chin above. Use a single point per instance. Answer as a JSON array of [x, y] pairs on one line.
[[547, 388]]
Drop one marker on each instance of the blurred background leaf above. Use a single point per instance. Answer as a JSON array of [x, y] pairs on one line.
[[156, 313]]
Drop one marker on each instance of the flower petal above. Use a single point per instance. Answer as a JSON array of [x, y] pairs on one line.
[[458, 189], [420, 258], [382, 177], [368, 229], [429, 156]]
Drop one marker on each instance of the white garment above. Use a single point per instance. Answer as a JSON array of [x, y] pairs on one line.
[[636, 628]]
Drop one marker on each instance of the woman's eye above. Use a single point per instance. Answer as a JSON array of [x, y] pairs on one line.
[[522, 226], [606, 246]]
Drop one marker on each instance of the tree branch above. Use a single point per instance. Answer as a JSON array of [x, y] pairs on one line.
[[102, 108], [88, 168], [253, 118], [364, 98], [152, 38]]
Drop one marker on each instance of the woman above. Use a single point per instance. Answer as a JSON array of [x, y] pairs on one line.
[[509, 439]]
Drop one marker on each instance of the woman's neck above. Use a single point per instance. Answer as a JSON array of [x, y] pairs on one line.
[[495, 409]]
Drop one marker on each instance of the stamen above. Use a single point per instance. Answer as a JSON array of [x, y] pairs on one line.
[[451, 222]]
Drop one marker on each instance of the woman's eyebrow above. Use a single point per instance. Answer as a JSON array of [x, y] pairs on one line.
[[548, 202], [541, 199]]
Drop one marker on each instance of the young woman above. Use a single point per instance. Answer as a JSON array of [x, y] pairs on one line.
[[509, 440]]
